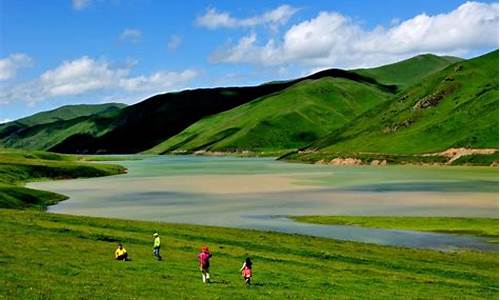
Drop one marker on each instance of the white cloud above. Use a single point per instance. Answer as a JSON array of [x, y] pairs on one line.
[[86, 75], [6, 120], [159, 81], [80, 76], [80, 4], [174, 42], [131, 35], [332, 39], [13, 62], [213, 19]]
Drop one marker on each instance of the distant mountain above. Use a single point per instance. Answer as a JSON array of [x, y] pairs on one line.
[[288, 119], [332, 110], [46, 129], [410, 71], [144, 125], [66, 112], [455, 107], [302, 113]]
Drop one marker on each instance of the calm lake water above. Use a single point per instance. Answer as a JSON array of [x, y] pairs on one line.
[[259, 193]]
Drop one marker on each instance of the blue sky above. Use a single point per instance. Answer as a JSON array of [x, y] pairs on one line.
[[57, 52]]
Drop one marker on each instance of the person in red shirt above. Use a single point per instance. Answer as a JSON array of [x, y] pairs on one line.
[[246, 270], [204, 263]]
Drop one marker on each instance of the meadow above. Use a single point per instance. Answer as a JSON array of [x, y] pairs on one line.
[[487, 227], [50, 256]]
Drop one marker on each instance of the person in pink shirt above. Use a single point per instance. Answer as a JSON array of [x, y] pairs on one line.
[[246, 270], [204, 263]]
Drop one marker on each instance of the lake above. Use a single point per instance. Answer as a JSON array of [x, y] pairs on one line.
[[258, 193]]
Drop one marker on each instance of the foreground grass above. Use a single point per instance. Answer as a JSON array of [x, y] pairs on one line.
[[19, 166], [476, 226], [62, 257]]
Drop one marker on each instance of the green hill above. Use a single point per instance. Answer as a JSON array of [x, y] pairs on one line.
[[301, 114], [66, 112], [410, 71], [44, 135], [288, 119], [148, 123], [286, 114], [455, 107], [44, 130]]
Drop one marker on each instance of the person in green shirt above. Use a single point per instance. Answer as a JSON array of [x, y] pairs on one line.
[[156, 246]]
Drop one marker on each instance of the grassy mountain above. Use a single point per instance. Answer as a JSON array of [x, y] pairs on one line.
[[288, 119], [301, 114], [144, 125], [455, 107], [44, 136], [66, 112], [410, 71], [46, 129]]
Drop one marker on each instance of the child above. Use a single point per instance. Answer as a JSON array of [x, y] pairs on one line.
[[156, 246], [246, 270], [204, 263], [121, 253]]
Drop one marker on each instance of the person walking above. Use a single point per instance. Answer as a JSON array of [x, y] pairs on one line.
[[156, 246], [246, 270], [204, 263]]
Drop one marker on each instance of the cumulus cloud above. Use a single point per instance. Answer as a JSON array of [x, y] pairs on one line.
[[130, 35], [213, 19], [85, 75], [159, 81], [80, 4], [10, 64], [333, 39], [174, 42], [79, 76]]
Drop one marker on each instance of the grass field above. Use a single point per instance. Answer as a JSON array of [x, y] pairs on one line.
[[47, 256], [19, 166], [476, 226]]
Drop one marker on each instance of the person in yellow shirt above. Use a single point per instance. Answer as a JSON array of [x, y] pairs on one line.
[[156, 246], [121, 253]]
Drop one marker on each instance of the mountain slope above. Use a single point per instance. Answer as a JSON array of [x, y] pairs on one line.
[[408, 72], [46, 129], [288, 119], [295, 117], [150, 122], [66, 112], [455, 107]]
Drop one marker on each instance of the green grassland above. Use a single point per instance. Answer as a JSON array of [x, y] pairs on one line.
[[46, 256], [20, 166], [476, 226], [455, 107]]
